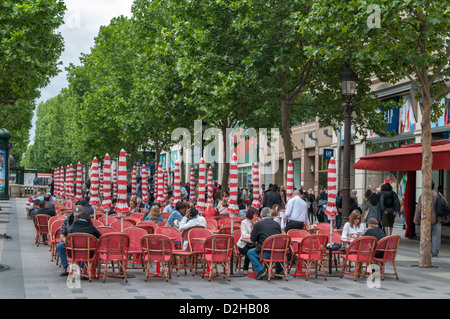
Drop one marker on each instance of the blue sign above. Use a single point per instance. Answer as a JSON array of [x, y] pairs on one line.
[[328, 153]]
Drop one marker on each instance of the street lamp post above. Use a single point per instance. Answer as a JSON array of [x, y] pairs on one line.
[[144, 151], [348, 86]]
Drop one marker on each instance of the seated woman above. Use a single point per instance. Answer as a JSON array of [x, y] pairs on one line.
[[353, 228], [154, 215], [252, 216]]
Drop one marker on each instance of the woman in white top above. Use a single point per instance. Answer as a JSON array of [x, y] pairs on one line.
[[252, 216], [353, 228]]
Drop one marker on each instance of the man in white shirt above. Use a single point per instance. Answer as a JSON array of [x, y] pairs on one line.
[[296, 212]]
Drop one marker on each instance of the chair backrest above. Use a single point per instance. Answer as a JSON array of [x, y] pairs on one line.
[[173, 233], [225, 230], [224, 220], [149, 226], [219, 247], [197, 246], [162, 224], [114, 246], [363, 248], [54, 226], [111, 219], [136, 235], [236, 236], [98, 215], [297, 233], [313, 246], [131, 220], [211, 226], [106, 229], [53, 218], [389, 246], [212, 221], [81, 247], [42, 223], [184, 233], [97, 223], [118, 226], [323, 226], [138, 217], [165, 216], [312, 230], [236, 225], [157, 247], [278, 245]]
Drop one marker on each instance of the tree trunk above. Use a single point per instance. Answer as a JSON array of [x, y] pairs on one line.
[[286, 128], [427, 162], [225, 165]]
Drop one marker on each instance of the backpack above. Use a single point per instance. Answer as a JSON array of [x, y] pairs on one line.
[[389, 200], [441, 207]]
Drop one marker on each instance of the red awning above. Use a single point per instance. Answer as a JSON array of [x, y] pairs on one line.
[[406, 158]]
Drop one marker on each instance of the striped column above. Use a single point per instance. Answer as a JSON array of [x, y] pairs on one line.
[[94, 200], [201, 187], [121, 205], [210, 186], [256, 202], [233, 208], [192, 187], [177, 184], [134, 183], [289, 181], [160, 198], [106, 203], [144, 184], [78, 195], [114, 177]]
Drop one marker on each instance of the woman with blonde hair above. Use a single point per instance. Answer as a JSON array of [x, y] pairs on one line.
[[154, 215], [354, 227]]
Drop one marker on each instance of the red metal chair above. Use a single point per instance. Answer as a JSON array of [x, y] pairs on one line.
[[119, 225], [113, 248], [81, 247], [323, 226], [237, 256], [54, 237], [106, 229], [42, 228], [224, 220], [278, 246], [212, 221], [135, 248], [236, 225], [196, 237], [211, 227], [157, 248], [360, 251], [131, 220], [312, 251], [218, 249], [111, 219], [296, 234], [149, 226], [138, 217], [173, 233], [182, 258], [226, 230], [97, 223], [335, 238], [385, 251]]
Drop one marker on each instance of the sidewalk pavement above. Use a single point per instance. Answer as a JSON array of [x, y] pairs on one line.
[[28, 273]]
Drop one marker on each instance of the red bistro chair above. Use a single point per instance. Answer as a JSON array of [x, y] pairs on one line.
[[42, 228], [119, 227], [278, 246], [54, 237], [360, 251], [196, 240], [157, 248], [113, 248], [312, 251], [135, 248], [218, 249], [149, 226], [106, 229], [386, 251], [81, 247]]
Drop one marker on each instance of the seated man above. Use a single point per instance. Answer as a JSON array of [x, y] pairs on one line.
[[263, 229], [375, 231], [81, 223], [44, 209]]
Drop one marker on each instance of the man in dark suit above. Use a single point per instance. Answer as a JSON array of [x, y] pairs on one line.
[[261, 231], [272, 197]]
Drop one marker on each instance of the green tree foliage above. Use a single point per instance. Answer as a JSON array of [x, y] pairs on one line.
[[29, 51]]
